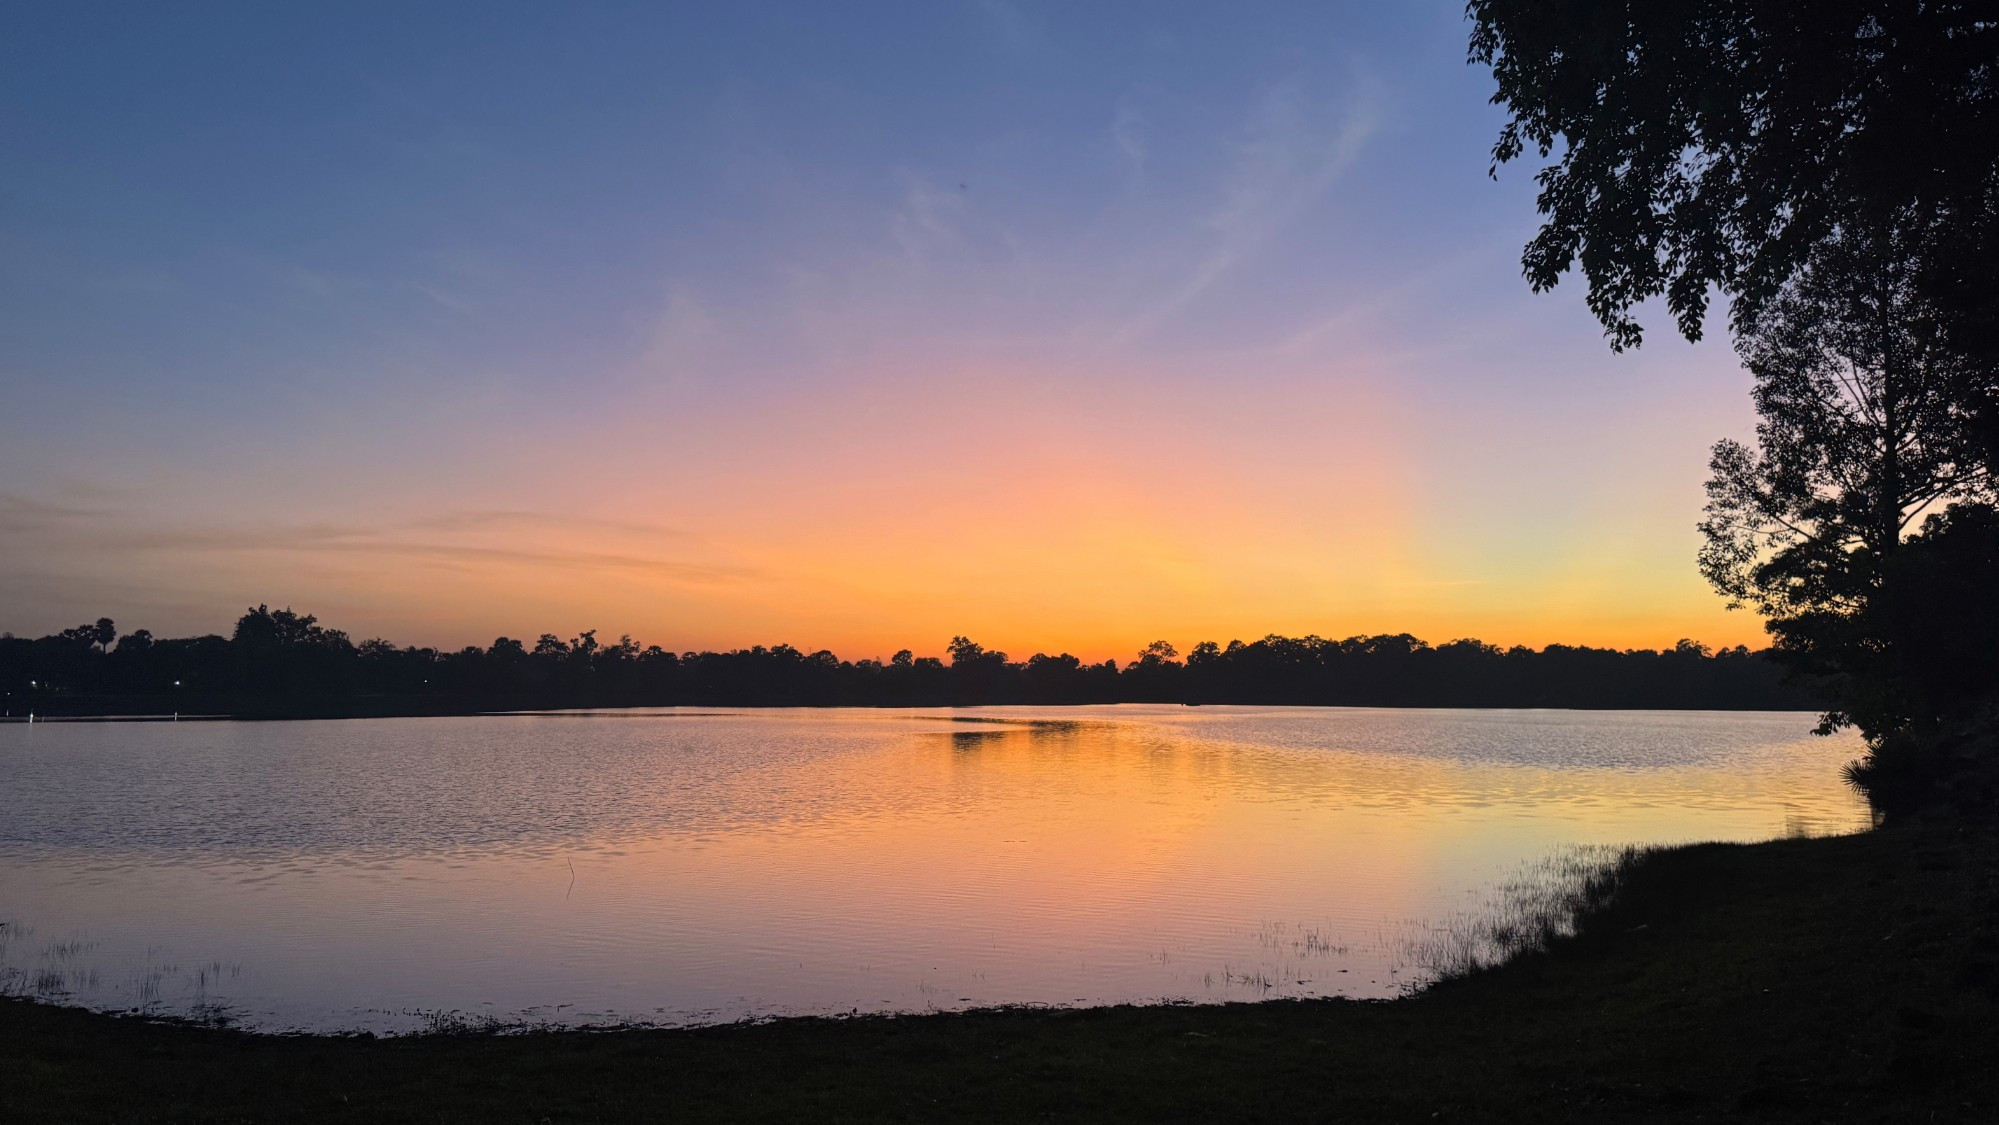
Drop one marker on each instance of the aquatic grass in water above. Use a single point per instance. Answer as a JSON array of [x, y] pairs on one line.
[[55, 973], [1540, 905]]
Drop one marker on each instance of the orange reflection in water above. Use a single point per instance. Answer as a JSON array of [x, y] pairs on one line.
[[677, 867]]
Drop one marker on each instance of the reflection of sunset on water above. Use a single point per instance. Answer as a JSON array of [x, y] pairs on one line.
[[704, 866]]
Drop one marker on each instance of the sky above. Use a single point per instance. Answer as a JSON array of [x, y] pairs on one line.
[[1061, 325]]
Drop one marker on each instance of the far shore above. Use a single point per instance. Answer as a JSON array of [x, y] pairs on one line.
[[448, 711]]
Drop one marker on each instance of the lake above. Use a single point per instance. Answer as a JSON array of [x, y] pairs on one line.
[[684, 866]]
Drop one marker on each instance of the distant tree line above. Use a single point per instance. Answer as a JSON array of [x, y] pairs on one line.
[[280, 663]]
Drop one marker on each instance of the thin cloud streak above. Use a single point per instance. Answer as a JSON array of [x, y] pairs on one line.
[[1128, 134], [1285, 163], [505, 517], [87, 529], [23, 514]]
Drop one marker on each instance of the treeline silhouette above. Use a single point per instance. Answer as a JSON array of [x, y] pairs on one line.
[[277, 663]]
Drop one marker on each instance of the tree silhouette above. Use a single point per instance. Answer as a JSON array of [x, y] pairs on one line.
[[1714, 143], [1830, 166], [1860, 435], [279, 663]]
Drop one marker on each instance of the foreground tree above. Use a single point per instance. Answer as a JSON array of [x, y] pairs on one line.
[[1860, 436], [1715, 142], [1712, 145], [1831, 167]]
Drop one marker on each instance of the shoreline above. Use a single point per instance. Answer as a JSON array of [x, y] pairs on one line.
[[1833, 977], [711, 709]]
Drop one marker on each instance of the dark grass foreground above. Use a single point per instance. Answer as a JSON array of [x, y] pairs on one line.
[[1811, 980]]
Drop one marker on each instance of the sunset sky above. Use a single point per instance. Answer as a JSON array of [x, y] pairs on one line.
[[857, 326]]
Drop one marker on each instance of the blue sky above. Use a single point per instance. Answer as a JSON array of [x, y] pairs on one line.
[[830, 323]]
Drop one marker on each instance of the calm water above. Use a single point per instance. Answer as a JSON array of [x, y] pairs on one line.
[[680, 866]]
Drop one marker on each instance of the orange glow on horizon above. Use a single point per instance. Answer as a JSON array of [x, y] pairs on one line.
[[993, 503]]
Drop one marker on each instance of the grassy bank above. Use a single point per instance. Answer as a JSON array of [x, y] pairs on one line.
[[1836, 979]]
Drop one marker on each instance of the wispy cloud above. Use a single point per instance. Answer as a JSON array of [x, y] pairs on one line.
[[683, 339], [448, 299], [1009, 22], [489, 518], [927, 218], [19, 514], [325, 541], [464, 538], [1382, 302], [1128, 134], [1291, 151], [686, 572], [315, 283]]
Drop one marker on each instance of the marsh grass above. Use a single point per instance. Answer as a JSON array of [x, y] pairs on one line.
[[1527, 913], [56, 978], [65, 972], [456, 1022]]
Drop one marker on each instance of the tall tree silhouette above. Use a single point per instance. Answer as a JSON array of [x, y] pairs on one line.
[[1830, 166], [1860, 434]]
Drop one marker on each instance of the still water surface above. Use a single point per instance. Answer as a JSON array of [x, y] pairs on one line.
[[682, 866]]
